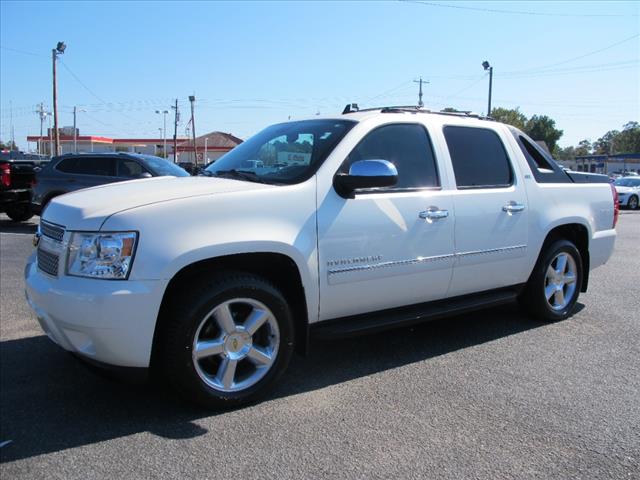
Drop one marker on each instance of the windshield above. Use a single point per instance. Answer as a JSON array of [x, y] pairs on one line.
[[286, 153], [628, 182], [164, 167]]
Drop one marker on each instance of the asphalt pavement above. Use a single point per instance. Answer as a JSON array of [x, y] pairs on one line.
[[490, 395]]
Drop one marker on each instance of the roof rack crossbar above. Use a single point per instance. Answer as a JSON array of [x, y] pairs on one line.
[[353, 108]]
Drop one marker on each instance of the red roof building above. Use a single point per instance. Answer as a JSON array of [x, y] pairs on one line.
[[209, 147]]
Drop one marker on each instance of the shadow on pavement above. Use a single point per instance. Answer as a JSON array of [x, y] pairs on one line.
[[9, 226], [50, 401]]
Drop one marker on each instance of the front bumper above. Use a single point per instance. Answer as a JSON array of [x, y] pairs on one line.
[[110, 322]]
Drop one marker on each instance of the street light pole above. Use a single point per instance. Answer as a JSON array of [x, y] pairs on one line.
[[75, 130], [59, 50], [486, 66], [164, 131], [192, 99]]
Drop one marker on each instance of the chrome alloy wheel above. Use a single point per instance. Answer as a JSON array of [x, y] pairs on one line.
[[560, 281], [235, 344]]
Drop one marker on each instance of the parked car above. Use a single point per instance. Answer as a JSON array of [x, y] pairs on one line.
[[18, 171], [71, 172], [393, 216], [628, 189]]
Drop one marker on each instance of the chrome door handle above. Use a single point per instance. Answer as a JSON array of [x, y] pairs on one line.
[[513, 207], [433, 213]]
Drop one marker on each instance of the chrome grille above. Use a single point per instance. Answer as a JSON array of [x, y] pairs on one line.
[[48, 262], [52, 231]]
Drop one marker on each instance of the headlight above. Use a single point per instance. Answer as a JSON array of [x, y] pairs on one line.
[[101, 255]]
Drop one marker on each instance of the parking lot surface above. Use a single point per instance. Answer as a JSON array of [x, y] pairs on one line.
[[485, 395]]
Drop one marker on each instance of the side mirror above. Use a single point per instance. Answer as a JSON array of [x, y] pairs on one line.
[[365, 174], [145, 175]]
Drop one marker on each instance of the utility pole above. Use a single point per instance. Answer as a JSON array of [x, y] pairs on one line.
[[50, 130], [59, 50], [13, 137], [204, 157], [175, 132], [420, 102], [192, 100], [486, 66], [42, 114]]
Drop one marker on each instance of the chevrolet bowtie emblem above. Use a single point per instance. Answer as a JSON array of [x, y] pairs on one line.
[[36, 239], [234, 343]]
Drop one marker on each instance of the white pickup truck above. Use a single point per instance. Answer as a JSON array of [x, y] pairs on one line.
[[328, 226]]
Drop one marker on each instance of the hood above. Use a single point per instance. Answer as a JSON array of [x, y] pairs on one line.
[[88, 209]]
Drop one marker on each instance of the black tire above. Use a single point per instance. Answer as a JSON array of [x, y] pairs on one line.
[[633, 202], [180, 323], [533, 298], [19, 213]]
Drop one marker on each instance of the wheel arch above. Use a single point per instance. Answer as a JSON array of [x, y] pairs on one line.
[[578, 234], [277, 268]]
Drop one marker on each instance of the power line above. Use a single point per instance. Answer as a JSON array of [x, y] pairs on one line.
[[23, 52], [475, 82], [81, 82], [579, 56], [519, 12], [91, 91]]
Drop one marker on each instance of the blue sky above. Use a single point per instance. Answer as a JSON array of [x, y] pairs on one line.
[[255, 63]]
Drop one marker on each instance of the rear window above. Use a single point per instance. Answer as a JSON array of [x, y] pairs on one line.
[[543, 166], [478, 157], [103, 166]]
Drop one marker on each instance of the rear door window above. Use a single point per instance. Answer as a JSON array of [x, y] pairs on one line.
[[101, 166], [478, 157]]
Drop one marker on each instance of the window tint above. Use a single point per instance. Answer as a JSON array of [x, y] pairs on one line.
[[543, 166], [407, 146], [533, 155], [88, 166], [479, 158], [128, 168]]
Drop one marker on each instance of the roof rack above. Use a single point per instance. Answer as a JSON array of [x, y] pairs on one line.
[[353, 108]]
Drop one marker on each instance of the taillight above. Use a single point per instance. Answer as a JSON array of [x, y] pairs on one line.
[[5, 170], [616, 205]]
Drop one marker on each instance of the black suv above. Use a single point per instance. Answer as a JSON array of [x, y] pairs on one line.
[[71, 172]]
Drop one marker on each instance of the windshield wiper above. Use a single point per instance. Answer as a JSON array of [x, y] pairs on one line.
[[239, 174]]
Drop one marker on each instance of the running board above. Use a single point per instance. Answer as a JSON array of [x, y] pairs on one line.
[[405, 316]]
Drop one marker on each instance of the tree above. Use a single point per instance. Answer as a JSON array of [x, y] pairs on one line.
[[541, 127], [629, 139], [605, 144], [614, 141], [8, 146], [568, 153], [510, 116], [583, 148]]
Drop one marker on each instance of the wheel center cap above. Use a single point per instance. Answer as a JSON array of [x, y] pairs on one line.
[[237, 345]]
